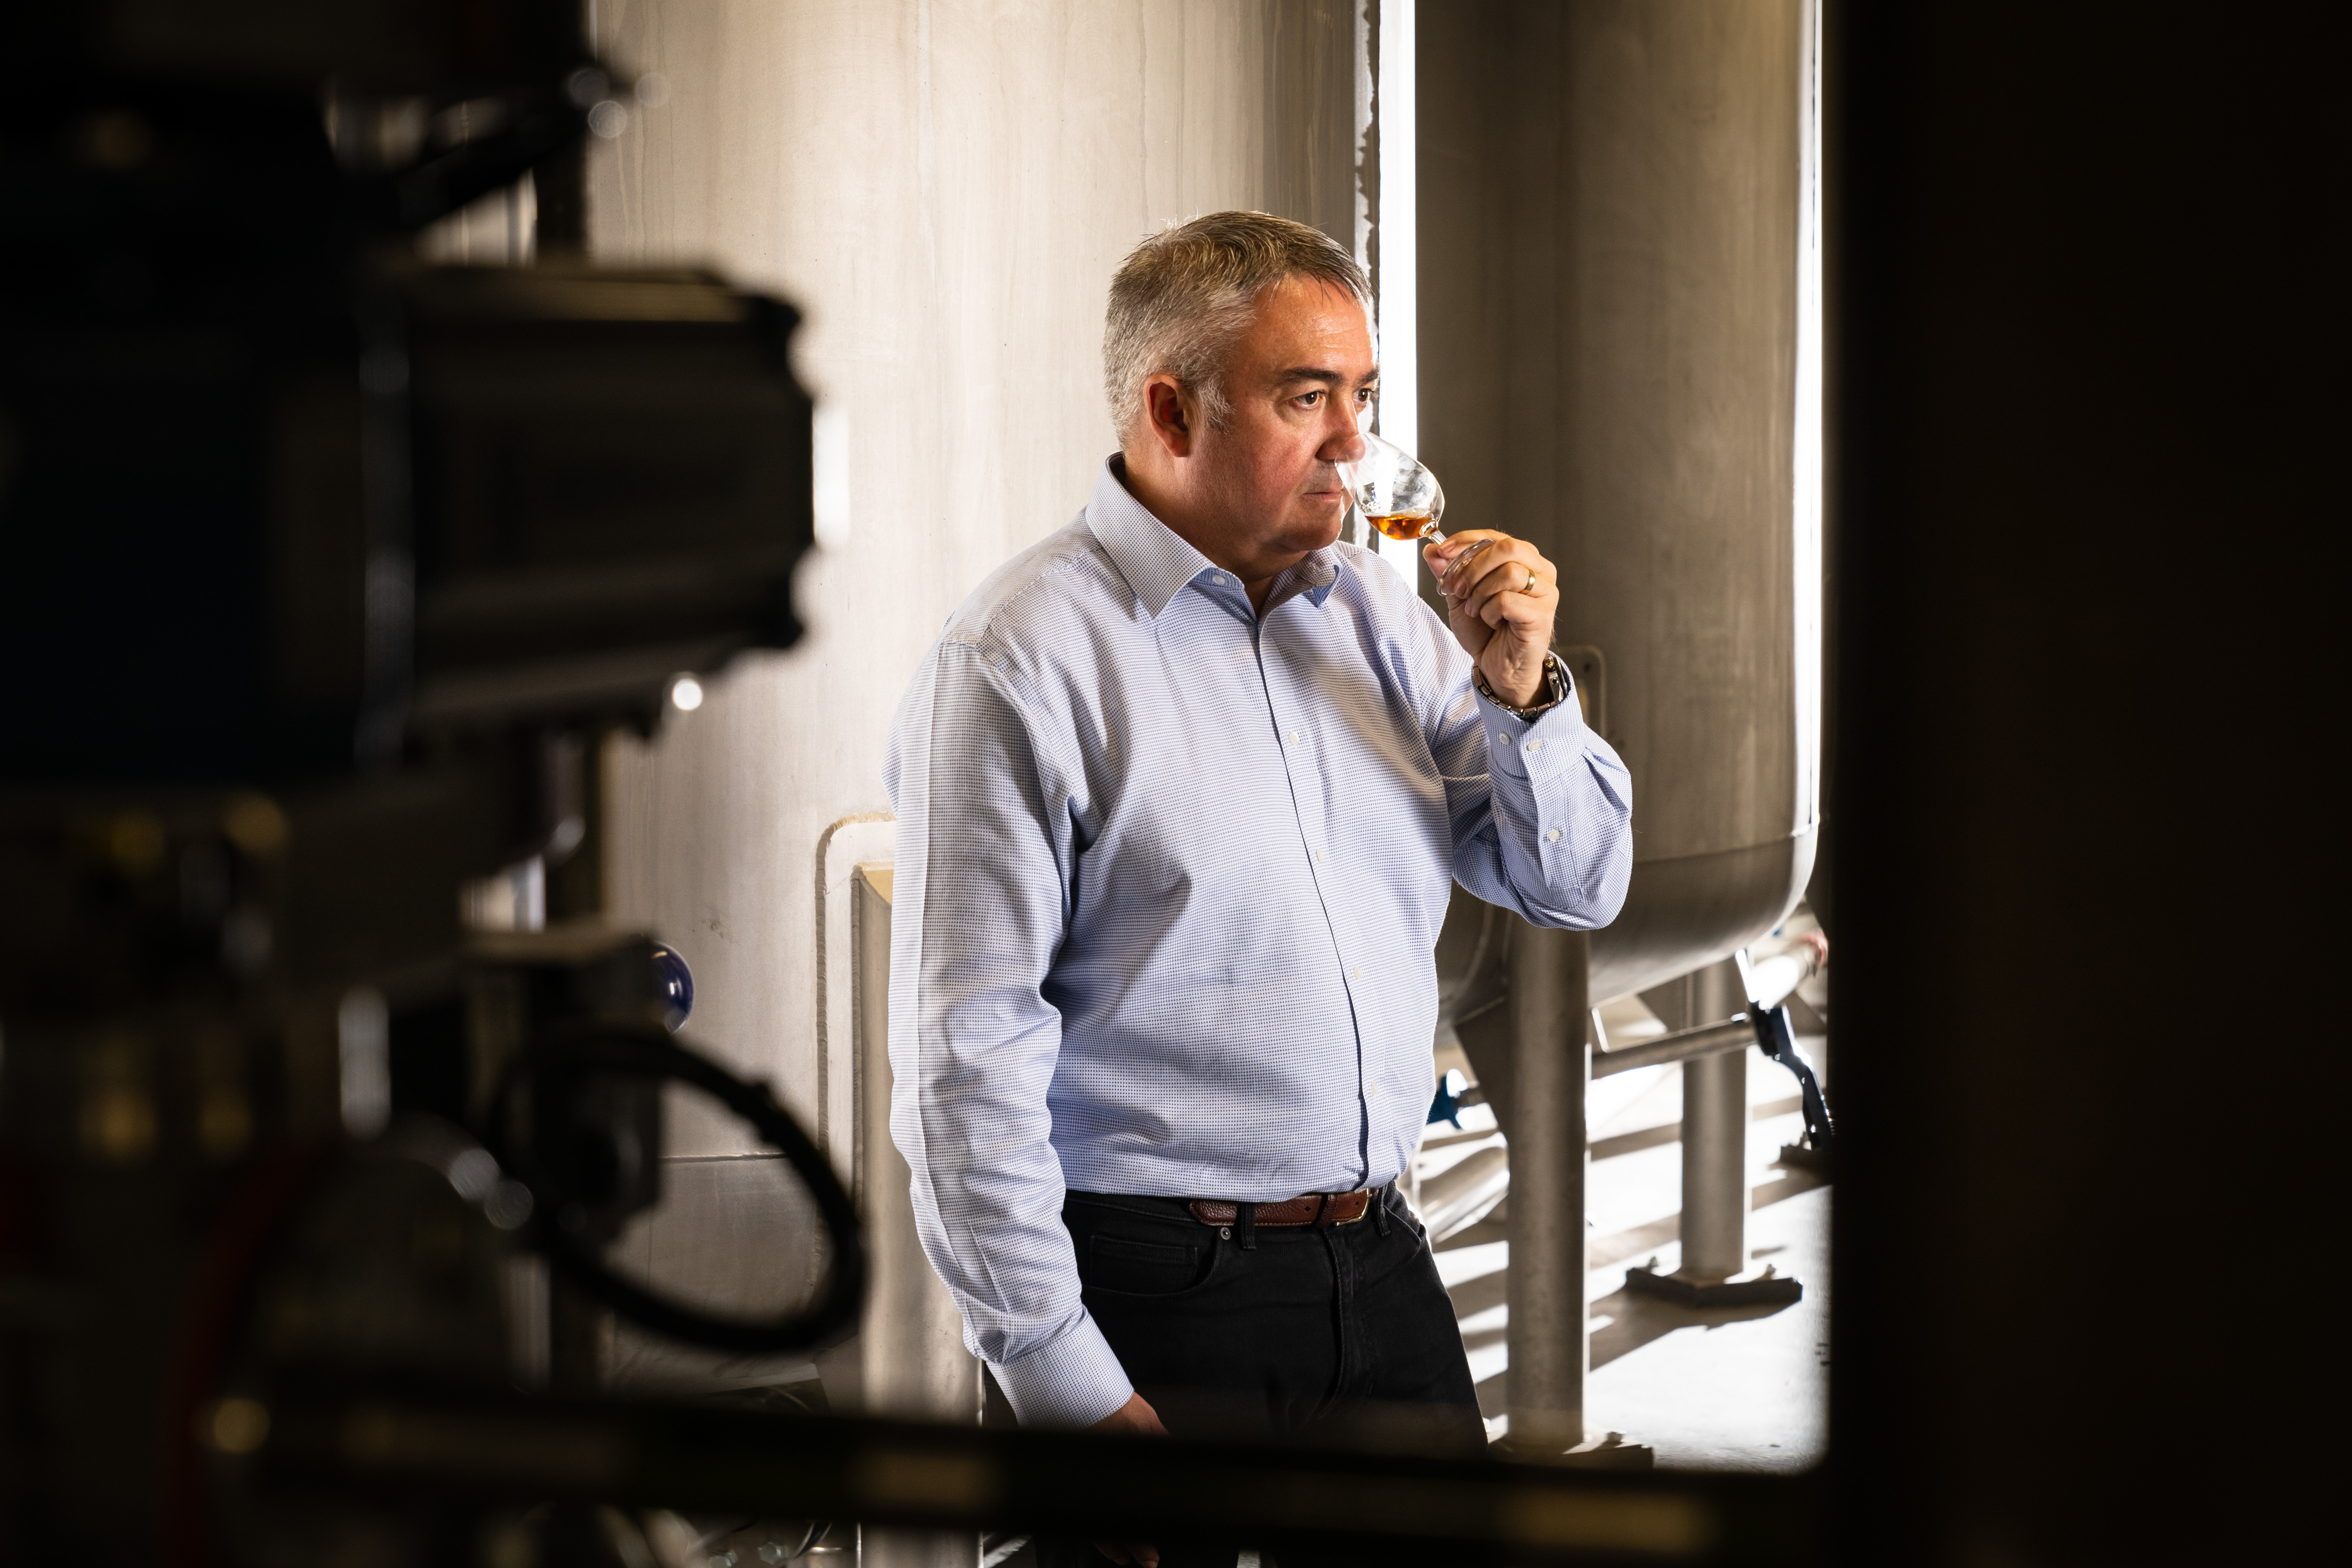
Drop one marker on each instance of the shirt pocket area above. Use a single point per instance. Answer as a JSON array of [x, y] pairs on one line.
[[1124, 1267]]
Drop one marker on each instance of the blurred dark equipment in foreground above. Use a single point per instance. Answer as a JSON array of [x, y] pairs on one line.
[[1344, 1507], [326, 573]]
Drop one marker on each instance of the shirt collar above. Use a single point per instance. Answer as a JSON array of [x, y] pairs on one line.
[[1157, 560]]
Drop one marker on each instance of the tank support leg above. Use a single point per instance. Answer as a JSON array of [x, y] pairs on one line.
[[1550, 1065], [1551, 1057], [1713, 1271], [1715, 1167]]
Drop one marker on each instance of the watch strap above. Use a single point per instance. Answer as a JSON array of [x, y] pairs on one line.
[[1555, 689]]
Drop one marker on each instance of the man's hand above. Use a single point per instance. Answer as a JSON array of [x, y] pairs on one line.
[[1501, 596], [1135, 1415]]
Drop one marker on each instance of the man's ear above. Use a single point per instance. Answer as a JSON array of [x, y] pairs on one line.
[[1169, 415]]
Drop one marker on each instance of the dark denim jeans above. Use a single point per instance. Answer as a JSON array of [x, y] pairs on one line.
[[1338, 1338]]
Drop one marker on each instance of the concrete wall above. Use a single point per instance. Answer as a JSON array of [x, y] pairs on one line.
[[945, 187]]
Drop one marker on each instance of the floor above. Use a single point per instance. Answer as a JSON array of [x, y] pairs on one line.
[[1737, 1388]]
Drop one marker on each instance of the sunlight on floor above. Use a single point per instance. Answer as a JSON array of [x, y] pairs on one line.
[[1736, 1388]]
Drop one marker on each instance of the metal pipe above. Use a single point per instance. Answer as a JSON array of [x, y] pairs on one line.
[[1714, 1219], [1461, 1194], [1708, 1040], [1715, 1166], [1715, 1132], [1549, 1003]]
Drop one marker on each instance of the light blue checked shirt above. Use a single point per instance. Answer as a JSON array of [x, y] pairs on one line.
[[1169, 879]]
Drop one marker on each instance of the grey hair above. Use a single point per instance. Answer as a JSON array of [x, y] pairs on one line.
[[1182, 297]]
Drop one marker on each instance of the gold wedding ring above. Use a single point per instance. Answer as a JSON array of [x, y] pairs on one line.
[[1531, 582]]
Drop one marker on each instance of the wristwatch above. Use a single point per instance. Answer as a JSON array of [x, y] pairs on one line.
[[1555, 690]]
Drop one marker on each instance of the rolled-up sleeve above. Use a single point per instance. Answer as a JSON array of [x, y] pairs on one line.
[[1542, 810], [979, 907]]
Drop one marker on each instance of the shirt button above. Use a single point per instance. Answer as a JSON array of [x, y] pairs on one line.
[[1553, 836], [1373, 1092], [1319, 856], [1357, 972], [1500, 739], [1535, 745], [1293, 737], [1219, 579]]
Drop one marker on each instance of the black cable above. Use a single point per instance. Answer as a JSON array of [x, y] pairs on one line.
[[646, 1051]]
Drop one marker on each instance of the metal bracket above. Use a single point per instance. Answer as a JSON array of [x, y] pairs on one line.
[[1777, 1037]]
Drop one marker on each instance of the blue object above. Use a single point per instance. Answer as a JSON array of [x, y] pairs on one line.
[[676, 981], [1448, 1106]]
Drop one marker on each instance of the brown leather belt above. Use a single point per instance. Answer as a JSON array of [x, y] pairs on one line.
[[1320, 1210]]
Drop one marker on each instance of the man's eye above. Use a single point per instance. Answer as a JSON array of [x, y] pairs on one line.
[[1364, 394], [1307, 399]]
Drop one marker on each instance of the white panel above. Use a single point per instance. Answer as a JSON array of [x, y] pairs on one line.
[[909, 1357], [853, 839]]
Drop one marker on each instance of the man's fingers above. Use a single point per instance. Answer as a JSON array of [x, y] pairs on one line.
[[1493, 564], [1514, 591], [1446, 566], [1510, 605], [1514, 584], [1501, 598]]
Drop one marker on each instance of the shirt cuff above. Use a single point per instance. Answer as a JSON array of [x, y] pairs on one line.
[[1532, 748], [1072, 1381]]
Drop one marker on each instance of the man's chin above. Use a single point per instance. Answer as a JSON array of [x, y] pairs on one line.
[[1314, 527]]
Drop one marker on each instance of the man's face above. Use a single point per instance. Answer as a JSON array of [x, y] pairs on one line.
[[1299, 382]]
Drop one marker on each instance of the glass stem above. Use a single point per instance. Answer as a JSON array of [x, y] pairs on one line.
[[1433, 536]]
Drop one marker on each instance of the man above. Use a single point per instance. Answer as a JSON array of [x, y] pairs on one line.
[[1181, 791]]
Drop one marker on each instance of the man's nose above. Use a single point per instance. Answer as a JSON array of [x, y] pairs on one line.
[[1347, 445]]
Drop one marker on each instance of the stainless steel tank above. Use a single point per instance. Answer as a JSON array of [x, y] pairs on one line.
[[1611, 220], [1616, 364]]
